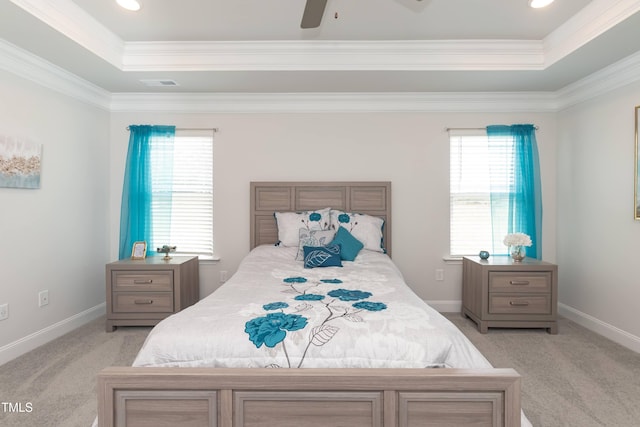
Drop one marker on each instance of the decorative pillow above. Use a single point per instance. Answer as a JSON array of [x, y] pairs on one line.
[[322, 256], [349, 245], [366, 228], [313, 238], [289, 224]]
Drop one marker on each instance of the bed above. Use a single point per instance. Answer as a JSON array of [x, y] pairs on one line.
[[372, 353]]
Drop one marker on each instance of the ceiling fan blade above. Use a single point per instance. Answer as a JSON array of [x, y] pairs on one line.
[[313, 11]]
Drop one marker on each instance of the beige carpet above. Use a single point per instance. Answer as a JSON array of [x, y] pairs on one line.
[[58, 379], [575, 378]]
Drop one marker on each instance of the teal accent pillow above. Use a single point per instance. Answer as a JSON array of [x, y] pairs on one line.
[[349, 245], [322, 256]]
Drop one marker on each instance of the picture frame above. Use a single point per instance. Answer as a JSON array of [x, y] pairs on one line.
[[139, 250], [636, 189], [20, 163]]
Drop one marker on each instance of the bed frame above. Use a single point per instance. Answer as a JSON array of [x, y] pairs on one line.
[[231, 397], [372, 198]]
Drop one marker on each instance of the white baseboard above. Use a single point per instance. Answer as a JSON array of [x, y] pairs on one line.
[[446, 306], [598, 326], [43, 336]]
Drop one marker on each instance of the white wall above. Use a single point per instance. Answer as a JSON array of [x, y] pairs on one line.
[[408, 149], [598, 239], [55, 237]]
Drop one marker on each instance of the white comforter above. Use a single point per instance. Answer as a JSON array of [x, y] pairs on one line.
[[275, 313], [222, 330]]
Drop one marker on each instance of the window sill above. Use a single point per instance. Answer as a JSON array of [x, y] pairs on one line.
[[457, 259], [208, 259]]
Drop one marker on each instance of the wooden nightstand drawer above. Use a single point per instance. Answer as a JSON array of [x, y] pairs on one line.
[[502, 293], [142, 302], [527, 282], [143, 292], [159, 281], [519, 304]]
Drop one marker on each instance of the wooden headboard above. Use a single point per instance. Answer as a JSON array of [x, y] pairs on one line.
[[372, 198]]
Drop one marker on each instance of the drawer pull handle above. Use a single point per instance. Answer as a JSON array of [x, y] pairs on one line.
[[519, 303], [143, 282], [143, 301], [519, 282]]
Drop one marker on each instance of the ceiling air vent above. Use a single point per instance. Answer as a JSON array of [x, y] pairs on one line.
[[159, 82]]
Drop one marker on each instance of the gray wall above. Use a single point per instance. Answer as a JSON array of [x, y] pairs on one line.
[[55, 237], [598, 239]]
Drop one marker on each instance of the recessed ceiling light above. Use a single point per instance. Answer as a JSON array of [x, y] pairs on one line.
[[129, 4], [539, 3]]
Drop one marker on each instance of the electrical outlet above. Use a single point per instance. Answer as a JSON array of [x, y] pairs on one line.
[[439, 274], [223, 277], [43, 298], [4, 311]]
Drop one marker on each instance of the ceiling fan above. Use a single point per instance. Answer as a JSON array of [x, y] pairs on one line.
[[313, 11], [312, 15]]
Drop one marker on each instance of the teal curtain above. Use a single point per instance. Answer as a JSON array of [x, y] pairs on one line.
[[147, 181], [524, 196]]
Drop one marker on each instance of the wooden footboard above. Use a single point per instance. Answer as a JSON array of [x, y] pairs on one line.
[[211, 397]]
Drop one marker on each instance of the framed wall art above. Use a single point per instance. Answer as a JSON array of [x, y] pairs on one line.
[[19, 163]]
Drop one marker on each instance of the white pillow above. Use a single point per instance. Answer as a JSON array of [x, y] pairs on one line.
[[289, 224], [313, 238], [366, 228]]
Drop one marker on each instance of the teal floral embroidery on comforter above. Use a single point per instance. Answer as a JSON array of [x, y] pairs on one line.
[[271, 330]]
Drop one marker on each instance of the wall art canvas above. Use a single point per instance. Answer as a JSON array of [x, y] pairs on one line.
[[19, 163]]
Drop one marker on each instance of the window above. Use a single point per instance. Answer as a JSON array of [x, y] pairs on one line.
[[182, 201], [495, 189], [478, 175]]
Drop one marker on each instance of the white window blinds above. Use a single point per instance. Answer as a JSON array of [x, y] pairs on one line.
[[477, 175], [182, 201]]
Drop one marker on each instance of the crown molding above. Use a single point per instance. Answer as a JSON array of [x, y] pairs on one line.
[[37, 70], [41, 72], [69, 19], [593, 20], [615, 76], [308, 55], [334, 102]]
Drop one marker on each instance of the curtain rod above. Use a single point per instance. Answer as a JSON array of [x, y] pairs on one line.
[[212, 129], [449, 129]]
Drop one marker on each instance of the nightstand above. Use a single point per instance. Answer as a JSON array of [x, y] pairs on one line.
[[501, 293], [143, 292]]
